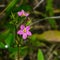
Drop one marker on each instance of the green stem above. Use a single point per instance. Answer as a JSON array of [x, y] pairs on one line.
[[15, 30], [18, 52]]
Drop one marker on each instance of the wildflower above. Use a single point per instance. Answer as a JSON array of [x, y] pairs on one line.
[[24, 31], [22, 13]]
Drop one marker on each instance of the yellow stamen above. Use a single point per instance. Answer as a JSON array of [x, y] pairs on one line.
[[24, 30], [23, 14]]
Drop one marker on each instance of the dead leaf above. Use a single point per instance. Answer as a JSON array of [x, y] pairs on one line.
[[52, 36]]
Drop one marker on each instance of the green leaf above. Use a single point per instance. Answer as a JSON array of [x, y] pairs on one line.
[[40, 55], [13, 51], [11, 6], [33, 38], [4, 34], [52, 23], [9, 40], [24, 7], [28, 23], [49, 10], [1, 45]]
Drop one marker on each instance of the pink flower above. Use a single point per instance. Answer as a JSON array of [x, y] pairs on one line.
[[22, 13], [24, 31]]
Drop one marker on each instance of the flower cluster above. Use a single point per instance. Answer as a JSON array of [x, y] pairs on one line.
[[24, 31]]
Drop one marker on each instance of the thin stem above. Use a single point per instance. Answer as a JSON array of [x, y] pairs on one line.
[[54, 17], [2, 11], [18, 52], [41, 1]]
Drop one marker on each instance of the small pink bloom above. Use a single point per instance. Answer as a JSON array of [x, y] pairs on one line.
[[24, 31], [22, 13]]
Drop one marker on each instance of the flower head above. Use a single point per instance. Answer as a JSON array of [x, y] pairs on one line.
[[22, 13], [24, 31]]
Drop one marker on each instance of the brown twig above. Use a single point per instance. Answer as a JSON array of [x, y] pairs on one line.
[[41, 1], [53, 17], [49, 53]]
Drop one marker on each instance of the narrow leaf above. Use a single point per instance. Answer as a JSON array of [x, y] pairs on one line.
[[11, 5], [49, 10], [40, 55]]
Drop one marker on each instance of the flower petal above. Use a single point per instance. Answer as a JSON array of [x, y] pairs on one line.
[[22, 11], [26, 14], [20, 32], [22, 27], [19, 13], [24, 36], [28, 28], [29, 33]]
